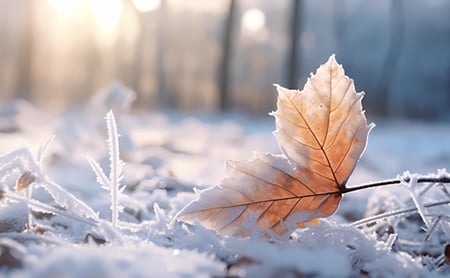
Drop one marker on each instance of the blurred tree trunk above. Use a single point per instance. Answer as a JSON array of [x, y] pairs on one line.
[[224, 71], [396, 40], [24, 77], [163, 98], [339, 21], [145, 19], [92, 60], [295, 29], [137, 59]]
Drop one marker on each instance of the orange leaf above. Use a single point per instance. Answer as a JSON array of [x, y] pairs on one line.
[[322, 132]]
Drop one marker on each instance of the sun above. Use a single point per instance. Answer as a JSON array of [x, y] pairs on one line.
[[146, 5], [63, 7], [253, 21], [107, 13]]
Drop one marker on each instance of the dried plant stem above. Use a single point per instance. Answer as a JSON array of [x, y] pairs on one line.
[[394, 181], [43, 207], [32, 237], [115, 175], [29, 194], [370, 219]]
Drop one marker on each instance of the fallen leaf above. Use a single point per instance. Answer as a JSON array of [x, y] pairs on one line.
[[322, 132]]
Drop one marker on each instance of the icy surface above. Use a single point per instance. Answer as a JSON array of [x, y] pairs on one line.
[[169, 155]]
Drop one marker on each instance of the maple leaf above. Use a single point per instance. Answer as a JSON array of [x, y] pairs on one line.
[[322, 132]]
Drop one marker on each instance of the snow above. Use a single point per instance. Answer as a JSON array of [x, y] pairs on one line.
[[167, 157], [133, 260]]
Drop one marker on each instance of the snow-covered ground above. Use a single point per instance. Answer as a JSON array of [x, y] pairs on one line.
[[166, 156]]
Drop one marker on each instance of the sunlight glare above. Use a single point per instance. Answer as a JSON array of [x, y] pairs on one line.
[[146, 5], [107, 13], [63, 7], [253, 21]]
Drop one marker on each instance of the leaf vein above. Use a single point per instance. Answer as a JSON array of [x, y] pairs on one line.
[[233, 220], [299, 142], [261, 179], [317, 140], [289, 175], [347, 151], [291, 121], [266, 200], [264, 212], [343, 97], [286, 215], [347, 117]]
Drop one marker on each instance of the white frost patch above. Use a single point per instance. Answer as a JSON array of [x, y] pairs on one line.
[[132, 260], [270, 259]]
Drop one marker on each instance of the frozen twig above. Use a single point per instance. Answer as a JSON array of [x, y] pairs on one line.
[[391, 240], [46, 208], [25, 182], [111, 183], [43, 147], [432, 228], [442, 179], [374, 218], [22, 160], [115, 166], [32, 237], [102, 179], [412, 179], [115, 175]]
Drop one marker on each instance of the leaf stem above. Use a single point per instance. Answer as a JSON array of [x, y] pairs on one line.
[[394, 181]]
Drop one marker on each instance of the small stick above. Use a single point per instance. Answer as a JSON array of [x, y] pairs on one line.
[[367, 220], [394, 181]]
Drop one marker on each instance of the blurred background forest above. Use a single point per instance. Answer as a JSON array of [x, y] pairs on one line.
[[225, 54]]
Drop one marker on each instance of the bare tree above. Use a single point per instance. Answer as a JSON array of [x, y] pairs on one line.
[[389, 67], [137, 59], [146, 19], [339, 24], [293, 58], [224, 71], [23, 89], [92, 59], [163, 97]]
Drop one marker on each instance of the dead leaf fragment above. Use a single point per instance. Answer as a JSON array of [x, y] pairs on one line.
[[25, 180], [234, 268], [11, 254], [447, 254], [322, 132]]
